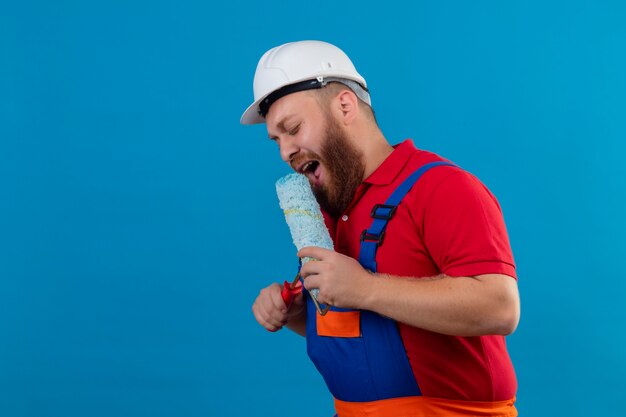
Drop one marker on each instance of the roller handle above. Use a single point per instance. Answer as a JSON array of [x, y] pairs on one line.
[[289, 293]]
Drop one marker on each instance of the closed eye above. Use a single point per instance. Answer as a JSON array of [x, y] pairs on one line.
[[294, 130]]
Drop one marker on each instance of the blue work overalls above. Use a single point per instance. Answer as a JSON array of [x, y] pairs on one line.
[[373, 366]]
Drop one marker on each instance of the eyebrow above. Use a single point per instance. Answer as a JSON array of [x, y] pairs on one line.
[[281, 125]]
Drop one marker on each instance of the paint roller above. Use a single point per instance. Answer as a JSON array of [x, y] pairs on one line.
[[305, 221]]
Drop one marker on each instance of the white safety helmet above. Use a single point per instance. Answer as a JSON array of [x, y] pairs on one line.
[[299, 66]]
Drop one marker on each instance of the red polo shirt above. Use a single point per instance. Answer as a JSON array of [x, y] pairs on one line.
[[448, 223]]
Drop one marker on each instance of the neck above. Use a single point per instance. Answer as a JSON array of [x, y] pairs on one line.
[[375, 150]]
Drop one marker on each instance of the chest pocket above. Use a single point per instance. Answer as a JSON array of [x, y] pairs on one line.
[[339, 324]]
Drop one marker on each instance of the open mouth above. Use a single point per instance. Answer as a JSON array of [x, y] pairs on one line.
[[312, 170]]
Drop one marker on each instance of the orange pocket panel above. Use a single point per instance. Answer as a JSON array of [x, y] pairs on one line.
[[339, 324]]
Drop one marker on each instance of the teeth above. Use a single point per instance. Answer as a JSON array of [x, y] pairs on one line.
[[306, 166]]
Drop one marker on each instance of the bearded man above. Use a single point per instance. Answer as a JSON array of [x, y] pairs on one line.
[[422, 283]]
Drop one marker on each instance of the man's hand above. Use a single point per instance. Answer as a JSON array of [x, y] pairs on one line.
[[271, 312], [341, 280]]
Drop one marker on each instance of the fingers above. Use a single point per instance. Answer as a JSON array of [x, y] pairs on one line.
[[312, 268], [314, 252], [269, 309], [314, 274]]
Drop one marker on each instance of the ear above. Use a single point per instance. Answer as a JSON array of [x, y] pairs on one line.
[[348, 105]]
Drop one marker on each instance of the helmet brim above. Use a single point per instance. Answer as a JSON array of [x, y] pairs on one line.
[[251, 116]]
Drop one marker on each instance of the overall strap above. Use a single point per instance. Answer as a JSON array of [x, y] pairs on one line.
[[372, 237]]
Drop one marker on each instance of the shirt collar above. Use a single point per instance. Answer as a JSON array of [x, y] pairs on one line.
[[391, 167]]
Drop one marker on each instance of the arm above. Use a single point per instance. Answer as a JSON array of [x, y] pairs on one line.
[[296, 317], [460, 306]]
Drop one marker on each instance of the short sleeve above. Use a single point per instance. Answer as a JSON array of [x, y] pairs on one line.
[[464, 230]]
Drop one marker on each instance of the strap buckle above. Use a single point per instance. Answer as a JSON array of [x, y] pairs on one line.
[[386, 214], [371, 237]]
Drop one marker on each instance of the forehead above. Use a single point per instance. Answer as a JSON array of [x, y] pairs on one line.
[[300, 104]]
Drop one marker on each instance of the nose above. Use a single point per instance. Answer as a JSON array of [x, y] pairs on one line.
[[288, 148]]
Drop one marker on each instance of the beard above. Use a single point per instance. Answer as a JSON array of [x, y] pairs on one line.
[[345, 169]]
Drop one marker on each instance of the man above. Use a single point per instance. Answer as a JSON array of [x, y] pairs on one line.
[[422, 281]]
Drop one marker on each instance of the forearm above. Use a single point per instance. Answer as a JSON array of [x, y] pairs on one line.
[[297, 323], [460, 306]]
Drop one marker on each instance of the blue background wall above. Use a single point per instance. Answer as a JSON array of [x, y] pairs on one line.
[[138, 219]]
